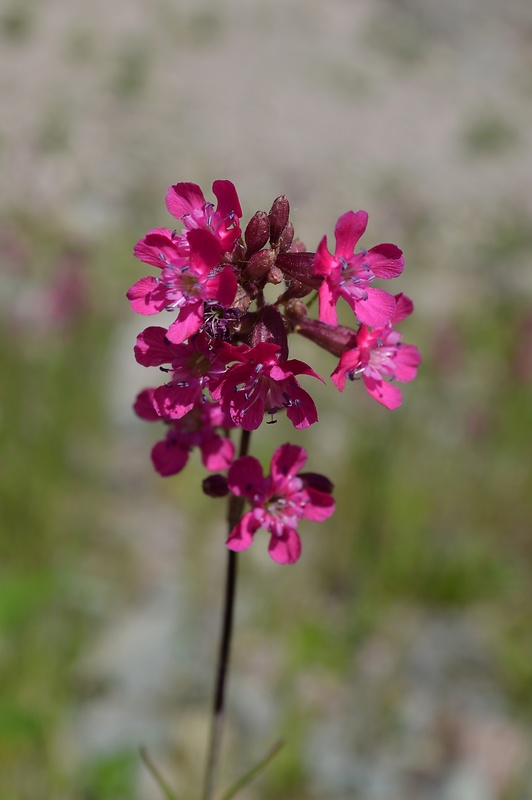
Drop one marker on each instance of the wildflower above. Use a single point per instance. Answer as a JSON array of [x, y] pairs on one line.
[[193, 366], [380, 353], [261, 383], [185, 284], [187, 202], [349, 275], [278, 501], [196, 429]]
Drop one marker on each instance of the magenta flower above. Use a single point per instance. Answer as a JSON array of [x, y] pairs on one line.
[[185, 282], [262, 383], [193, 366], [195, 429], [278, 501], [380, 354], [350, 275], [187, 202]]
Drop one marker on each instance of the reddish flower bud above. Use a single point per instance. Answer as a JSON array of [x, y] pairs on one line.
[[278, 215], [269, 327], [287, 237], [257, 232], [334, 338], [242, 300], [215, 486], [316, 481], [300, 267], [296, 310], [275, 276], [260, 263]]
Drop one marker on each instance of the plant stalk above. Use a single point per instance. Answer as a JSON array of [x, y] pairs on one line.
[[234, 513]]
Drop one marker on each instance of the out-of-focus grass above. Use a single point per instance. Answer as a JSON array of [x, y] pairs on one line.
[[433, 509]]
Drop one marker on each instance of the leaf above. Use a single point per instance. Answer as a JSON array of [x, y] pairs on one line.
[[253, 772], [168, 793]]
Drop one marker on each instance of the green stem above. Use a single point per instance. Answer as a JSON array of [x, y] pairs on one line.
[[235, 508]]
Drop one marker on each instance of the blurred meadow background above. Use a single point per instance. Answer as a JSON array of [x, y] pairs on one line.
[[395, 659]]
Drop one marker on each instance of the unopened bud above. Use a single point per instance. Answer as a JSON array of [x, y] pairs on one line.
[[275, 276], [296, 310], [215, 486], [287, 236], [257, 232], [316, 481], [260, 263], [278, 215], [300, 267], [269, 327], [334, 338]]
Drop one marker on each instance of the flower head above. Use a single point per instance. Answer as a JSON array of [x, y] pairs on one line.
[[196, 429], [185, 284], [380, 354], [278, 501], [350, 275], [187, 202], [262, 383], [193, 367]]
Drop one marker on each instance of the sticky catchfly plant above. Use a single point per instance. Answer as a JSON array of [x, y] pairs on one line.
[[225, 360]]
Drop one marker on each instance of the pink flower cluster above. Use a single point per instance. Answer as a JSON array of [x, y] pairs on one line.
[[225, 352]]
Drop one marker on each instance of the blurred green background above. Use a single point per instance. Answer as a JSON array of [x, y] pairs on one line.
[[396, 658]]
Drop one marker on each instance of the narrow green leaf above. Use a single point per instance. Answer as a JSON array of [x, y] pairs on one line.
[[168, 793], [253, 772]]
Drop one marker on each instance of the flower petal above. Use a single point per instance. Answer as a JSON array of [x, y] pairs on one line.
[[217, 452], [147, 296], [228, 202], [188, 322], [152, 348], [328, 295], [245, 477], [285, 549], [241, 537], [348, 231], [386, 393], [377, 309], [286, 462], [143, 406], [168, 458], [183, 199], [320, 505]]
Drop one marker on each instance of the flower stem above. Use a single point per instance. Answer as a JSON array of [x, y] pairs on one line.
[[235, 508]]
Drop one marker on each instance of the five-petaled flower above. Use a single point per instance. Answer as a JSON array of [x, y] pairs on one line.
[[186, 283], [279, 501], [198, 428], [187, 202], [262, 383], [379, 354], [350, 275], [193, 367]]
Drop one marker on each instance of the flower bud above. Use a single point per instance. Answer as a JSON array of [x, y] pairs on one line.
[[278, 216], [334, 338], [257, 232], [260, 263], [321, 483], [275, 276], [215, 485], [270, 327], [296, 310], [287, 237], [300, 267]]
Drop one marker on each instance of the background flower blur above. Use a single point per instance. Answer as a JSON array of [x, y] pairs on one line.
[[396, 657]]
